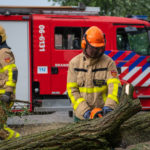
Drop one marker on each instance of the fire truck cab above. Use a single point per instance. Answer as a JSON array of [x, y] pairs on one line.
[[51, 40]]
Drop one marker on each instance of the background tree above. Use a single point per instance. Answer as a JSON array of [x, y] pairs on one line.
[[114, 7]]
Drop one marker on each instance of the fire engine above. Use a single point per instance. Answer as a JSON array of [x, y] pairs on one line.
[[45, 39]]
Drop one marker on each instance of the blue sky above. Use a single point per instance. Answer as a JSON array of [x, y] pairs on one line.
[[26, 3]]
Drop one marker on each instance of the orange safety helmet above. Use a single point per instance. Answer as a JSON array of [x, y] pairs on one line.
[[93, 36], [2, 34]]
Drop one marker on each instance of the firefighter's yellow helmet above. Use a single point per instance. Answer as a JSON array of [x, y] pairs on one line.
[[2, 34]]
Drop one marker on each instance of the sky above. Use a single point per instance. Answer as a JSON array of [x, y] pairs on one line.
[[27, 3]]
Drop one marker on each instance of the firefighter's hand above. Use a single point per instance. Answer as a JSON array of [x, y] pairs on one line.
[[87, 114], [106, 110], [5, 98]]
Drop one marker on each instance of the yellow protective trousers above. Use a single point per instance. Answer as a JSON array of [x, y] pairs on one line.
[[5, 132]]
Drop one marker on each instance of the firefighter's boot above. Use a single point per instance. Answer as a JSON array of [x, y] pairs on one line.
[[7, 133], [3, 134]]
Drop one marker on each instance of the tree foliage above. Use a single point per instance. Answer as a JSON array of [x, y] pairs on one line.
[[114, 7]]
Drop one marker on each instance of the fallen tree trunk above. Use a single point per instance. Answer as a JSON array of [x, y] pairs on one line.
[[136, 129], [93, 134]]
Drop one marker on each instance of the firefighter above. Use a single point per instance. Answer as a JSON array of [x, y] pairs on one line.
[[8, 79], [92, 82]]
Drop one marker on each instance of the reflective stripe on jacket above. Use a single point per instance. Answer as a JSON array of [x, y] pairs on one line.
[[92, 83]]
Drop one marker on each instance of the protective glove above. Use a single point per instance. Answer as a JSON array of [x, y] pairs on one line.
[[5, 97], [87, 114], [96, 113], [106, 110]]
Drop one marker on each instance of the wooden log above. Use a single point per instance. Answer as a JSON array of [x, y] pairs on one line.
[[136, 129], [101, 133]]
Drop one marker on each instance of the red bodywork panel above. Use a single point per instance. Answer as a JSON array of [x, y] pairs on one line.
[[51, 57]]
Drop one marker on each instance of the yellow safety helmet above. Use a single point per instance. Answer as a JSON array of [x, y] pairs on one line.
[[93, 36], [2, 34]]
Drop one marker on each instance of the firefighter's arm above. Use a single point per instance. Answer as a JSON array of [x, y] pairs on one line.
[[10, 70], [79, 103], [114, 86]]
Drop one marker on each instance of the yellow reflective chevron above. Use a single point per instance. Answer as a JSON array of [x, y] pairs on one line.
[[71, 85], [113, 80], [72, 98], [12, 133], [10, 74], [17, 135], [7, 67], [11, 83], [115, 83], [78, 101], [113, 98], [2, 91], [93, 90], [115, 90]]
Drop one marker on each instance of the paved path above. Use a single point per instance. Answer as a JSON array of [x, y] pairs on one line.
[[60, 116]]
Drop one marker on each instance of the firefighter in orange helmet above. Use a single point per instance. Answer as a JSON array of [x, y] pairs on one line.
[[92, 81], [8, 79]]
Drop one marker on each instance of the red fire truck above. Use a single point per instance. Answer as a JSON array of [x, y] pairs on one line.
[[45, 39]]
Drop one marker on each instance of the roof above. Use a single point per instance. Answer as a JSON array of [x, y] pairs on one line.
[[113, 19], [109, 19]]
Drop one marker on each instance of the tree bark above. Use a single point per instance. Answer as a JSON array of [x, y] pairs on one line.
[[136, 129], [102, 133]]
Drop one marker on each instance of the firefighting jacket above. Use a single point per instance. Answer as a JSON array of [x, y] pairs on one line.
[[92, 83], [8, 72]]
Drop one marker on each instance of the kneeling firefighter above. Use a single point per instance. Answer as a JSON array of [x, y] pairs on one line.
[[92, 82], [8, 79]]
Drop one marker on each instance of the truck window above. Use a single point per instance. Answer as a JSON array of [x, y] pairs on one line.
[[68, 38], [136, 41]]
